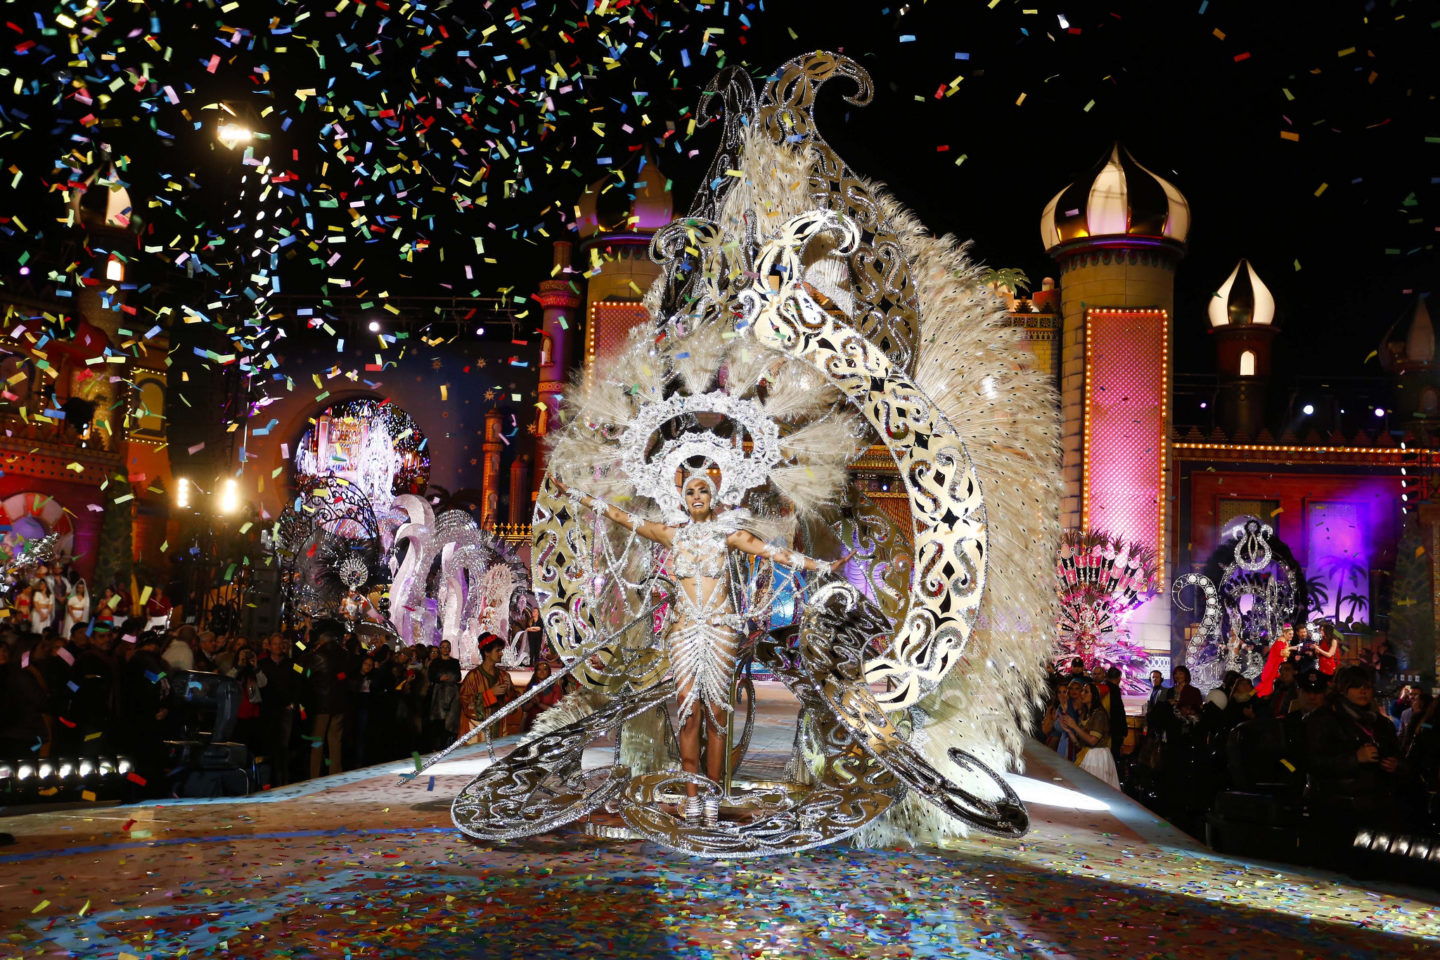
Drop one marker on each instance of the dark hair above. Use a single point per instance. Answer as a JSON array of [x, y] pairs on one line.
[[490, 644], [1178, 669], [1077, 662], [1350, 678], [1113, 673]]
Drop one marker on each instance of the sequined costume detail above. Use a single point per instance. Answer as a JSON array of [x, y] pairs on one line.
[[704, 629]]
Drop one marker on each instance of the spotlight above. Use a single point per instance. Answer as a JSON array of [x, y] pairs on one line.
[[479, 331], [1204, 405], [124, 766], [6, 771], [25, 772], [1308, 409], [1379, 411], [86, 768], [66, 768], [182, 492], [374, 326], [231, 134], [230, 496], [46, 770]]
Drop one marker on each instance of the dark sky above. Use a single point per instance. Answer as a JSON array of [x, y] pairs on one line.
[[427, 128]]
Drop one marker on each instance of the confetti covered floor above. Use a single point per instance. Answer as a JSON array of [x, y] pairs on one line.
[[357, 866]]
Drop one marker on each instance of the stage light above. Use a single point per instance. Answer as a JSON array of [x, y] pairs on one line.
[[66, 768], [1308, 409], [233, 134], [46, 770], [479, 331], [24, 271], [6, 771], [230, 496], [182, 492], [124, 766], [115, 270], [25, 772], [374, 326], [1379, 411], [1204, 405], [86, 768]]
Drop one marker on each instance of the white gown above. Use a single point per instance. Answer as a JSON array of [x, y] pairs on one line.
[[77, 611]]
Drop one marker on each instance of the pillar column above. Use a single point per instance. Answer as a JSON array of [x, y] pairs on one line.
[[559, 346], [519, 490], [490, 476]]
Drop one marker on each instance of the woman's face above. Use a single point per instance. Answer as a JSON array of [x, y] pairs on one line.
[[697, 498], [444, 648], [542, 672], [1361, 696]]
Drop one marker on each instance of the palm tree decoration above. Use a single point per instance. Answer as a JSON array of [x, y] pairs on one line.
[[1101, 580], [1012, 279], [1317, 588], [1344, 570], [1358, 604]]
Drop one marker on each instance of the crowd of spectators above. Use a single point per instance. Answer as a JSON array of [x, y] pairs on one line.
[[1321, 756], [305, 703]]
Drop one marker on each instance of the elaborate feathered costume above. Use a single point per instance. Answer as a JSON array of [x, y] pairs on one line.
[[801, 300]]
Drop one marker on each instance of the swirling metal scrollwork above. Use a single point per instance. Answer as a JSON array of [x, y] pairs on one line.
[[887, 306], [945, 498], [540, 785]]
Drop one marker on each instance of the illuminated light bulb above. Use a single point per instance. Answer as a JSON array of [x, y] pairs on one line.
[[374, 326], [1308, 409], [1379, 411], [230, 496]]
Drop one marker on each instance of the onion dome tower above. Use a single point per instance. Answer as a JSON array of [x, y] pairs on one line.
[[1242, 321], [1117, 234], [1407, 354]]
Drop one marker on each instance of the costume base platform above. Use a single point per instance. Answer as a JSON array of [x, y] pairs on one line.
[[357, 865]]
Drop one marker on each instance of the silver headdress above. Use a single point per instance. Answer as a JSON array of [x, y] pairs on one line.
[[653, 473]]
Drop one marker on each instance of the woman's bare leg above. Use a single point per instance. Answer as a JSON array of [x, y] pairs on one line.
[[690, 743]]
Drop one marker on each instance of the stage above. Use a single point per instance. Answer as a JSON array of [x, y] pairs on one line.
[[357, 865]]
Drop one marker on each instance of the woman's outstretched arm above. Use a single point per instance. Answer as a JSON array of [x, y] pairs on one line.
[[747, 542], [650, 530]]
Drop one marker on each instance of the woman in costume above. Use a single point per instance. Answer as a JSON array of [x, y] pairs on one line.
[[1327, 649], [1279, 651], [703, 624], [77, 608], [42, 607]]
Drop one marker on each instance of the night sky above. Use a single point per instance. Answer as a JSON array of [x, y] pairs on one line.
[[1309, 143]]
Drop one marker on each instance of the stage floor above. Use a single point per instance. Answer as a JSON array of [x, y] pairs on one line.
[[356, 865]]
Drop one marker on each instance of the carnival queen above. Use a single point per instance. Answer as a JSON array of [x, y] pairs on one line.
[[703, 625]]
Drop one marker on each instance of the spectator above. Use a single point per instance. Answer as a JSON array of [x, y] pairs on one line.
[[1354, 758], [327, 698], [1282, 694], [367, 696], [144, 698], [1157, 689], [1119, 723], [277, 707], [1077, 668], [252, 681], [546, 698], [1184, 699], [25, 730], [1092, 732], [443, 715], [180, 654], [95, 703]]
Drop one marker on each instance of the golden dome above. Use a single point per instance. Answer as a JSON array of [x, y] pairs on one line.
[[1118, 198]]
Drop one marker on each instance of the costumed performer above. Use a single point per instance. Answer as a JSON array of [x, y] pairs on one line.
[[1327, 649], [77, 608], [703, 626], [1279, 651], [42, 607]]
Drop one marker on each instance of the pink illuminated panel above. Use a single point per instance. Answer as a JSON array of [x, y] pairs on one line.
[[610, 323], [1126, 424]]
